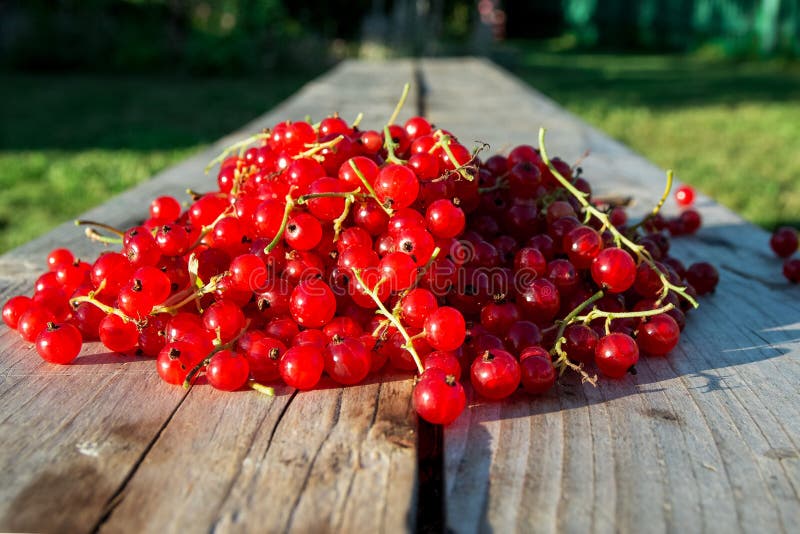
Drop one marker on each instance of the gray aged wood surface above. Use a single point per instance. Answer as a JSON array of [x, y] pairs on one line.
[[704, 440], [103, 445]]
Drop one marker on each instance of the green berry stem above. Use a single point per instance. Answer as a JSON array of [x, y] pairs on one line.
[[104, 307], [409, 344], [369, 188], [261, 388], [399, 105], [219, 348], [562, 362], [104, 226], [286, 212], [390, 145], [237, 146], [619, 237], [318, 147]]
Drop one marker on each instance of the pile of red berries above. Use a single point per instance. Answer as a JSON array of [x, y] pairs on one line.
[[784, 244], [330, 250]]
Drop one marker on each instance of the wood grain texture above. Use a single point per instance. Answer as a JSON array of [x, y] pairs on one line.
[[704, 440], [106, 446]]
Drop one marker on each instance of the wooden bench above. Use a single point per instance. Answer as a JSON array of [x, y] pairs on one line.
[[706, 439]]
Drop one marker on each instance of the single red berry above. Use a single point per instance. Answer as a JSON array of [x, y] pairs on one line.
[[59, 256], [537, 374], [521, 335], [165, 208], [301, 366], [399, 270], [445, 328], [33, 321], [312, 303], [117, 334], [791, 270], [417, 306], [176, 359], [615, 354], [303, 231], [580, 344], [112, 270], [438, 397], [784, 241], [347, 361], [264, 357], [684, 196], [249, 272], [225, 319], [444, 360], [614, 270], [658, 335], [59, 343], [582, 246], [690, 221], [396, 186], [495, 375], [14, 308], [703, 276], [444, 218], [227, 370], [539, 300]]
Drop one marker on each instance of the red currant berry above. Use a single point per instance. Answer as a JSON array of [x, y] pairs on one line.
[[176, 359], [445, 219], [537, 374], [684, 196], [784, 241], [614, 270], [615, 354], [445, 361], [14, 308], [33, 321], [227, 371], [303, 232], [495, 375], [521, 335], [658, 335], [117, 334], [312, 303], [165, 209], [347, 361], [59, 256], [225, 319], [417, 306], [582, 246], [59, 343], [439, 398], [396, 186], [791, 270], [301, 366], [445, 328], [690, 221], [264, 357], [399, 270], [703, 276]]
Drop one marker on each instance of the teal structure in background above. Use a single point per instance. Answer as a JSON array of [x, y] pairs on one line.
[[763, 27]]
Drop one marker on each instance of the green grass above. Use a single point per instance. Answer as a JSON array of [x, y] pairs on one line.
[[68, 143], [730, 129]]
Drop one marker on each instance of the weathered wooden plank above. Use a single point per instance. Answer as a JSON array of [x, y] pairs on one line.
[[108, 446], [708, 438]]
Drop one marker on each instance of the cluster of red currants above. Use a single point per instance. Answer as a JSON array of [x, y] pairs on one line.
[[784, 244], [330, 250]]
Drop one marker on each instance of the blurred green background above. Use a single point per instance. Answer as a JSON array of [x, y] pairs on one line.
[[98, 95]]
